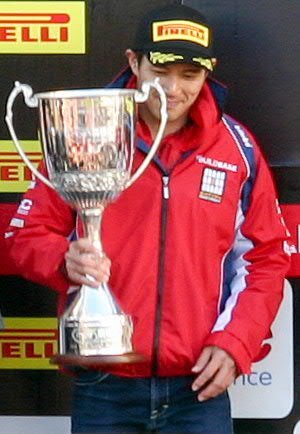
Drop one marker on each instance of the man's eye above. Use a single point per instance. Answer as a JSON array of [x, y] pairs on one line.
[[190, 75], [159, 71]]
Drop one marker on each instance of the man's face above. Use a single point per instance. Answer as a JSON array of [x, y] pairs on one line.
[[181, 82]]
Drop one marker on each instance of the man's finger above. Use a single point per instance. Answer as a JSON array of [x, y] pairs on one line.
[[218, 384], [81, 279], [203, 360], [206, 374], [83, 245]]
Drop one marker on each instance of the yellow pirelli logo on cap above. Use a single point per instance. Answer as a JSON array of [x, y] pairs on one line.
[[28, 343], [42, 27], [180, 30], [15, 176]]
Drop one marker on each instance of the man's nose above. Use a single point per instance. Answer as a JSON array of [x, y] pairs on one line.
[[171, 85]]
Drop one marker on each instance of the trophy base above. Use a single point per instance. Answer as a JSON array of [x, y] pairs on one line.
[[97, 362]]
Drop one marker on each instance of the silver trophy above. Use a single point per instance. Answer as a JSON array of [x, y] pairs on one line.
[[88, 141]]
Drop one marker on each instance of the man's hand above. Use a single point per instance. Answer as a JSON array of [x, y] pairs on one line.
[[217, 371], [82, 260]]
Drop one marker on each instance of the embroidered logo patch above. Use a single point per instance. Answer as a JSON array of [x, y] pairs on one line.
[[212, 185], [217, 163], [181, 30], [158, 57]]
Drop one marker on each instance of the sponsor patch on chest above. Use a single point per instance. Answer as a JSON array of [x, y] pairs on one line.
[[212, 185]]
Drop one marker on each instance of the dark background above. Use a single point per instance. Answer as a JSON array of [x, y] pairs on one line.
[[257, 46]]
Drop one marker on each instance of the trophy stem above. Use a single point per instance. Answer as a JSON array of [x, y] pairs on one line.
[[92, 219], [93, 324]]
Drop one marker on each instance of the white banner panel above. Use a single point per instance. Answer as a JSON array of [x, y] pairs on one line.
[[268, 392], [34, 425]]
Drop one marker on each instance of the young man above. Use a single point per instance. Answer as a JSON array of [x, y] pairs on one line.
[[196, 247]]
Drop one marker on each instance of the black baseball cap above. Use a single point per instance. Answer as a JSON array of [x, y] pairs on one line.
[[175, 34]]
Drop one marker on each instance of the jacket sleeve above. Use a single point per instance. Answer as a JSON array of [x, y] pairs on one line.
[[259, 261], [37, 237]]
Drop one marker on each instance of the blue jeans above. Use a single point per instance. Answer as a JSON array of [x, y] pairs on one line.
[[108, 403]]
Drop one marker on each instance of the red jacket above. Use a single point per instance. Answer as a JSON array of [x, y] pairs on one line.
[[197, 248]]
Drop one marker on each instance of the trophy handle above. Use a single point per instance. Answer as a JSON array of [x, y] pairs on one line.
[[32, 102], [142, 96]]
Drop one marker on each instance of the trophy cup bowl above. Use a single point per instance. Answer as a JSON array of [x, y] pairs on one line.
[[88, 142]]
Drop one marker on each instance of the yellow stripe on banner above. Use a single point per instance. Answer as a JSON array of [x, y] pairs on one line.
[[15, 176], [42, 27], [28, 343]]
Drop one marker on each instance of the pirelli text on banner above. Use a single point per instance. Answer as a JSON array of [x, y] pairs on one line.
[[15, 176], [42, 27], [28, 343]]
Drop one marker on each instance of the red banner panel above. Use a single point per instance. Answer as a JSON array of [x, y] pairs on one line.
[[291, 214]]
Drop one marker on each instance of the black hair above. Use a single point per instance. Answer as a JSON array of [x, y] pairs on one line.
[[139, 56]]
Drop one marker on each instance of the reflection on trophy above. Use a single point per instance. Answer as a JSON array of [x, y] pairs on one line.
[[88, 140]]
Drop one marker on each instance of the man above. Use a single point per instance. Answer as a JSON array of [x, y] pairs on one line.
[[196, 247]]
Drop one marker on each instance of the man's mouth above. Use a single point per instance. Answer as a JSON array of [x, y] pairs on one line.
[[172, 103]]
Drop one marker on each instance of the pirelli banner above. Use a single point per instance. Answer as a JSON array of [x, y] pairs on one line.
[[15, 176], [49, 27], [54, 45], [28, 343]]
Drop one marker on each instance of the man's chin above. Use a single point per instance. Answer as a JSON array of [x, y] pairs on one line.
[[172, 115]]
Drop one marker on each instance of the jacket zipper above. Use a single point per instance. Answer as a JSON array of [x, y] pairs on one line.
[[162, 250], [161, 270], [166, 191]]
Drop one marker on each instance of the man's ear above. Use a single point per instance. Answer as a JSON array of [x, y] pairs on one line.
[[206, 73], [132, 60]]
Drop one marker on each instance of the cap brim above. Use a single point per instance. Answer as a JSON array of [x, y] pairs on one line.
[[167, 56]]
